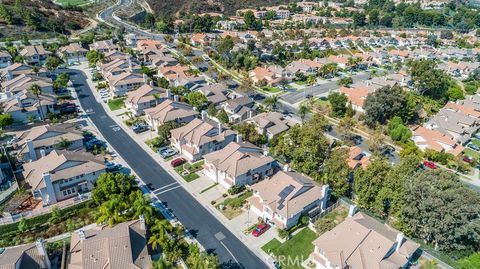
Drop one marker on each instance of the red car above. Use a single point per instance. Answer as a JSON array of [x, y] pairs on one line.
[[468, 159], [261, 228], [178, 162], [430, 165]]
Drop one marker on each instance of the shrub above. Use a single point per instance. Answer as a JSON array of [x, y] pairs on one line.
[[236, 189], [282, 233], [324, 225]]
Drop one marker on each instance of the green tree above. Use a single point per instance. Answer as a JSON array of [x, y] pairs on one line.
[[201, 260], [398, 131], [345, 81], [140, 205], [52, 63], [160, 231], [249, 133], [369, 181], [36, 90], [338, 103], [302, 112], [336, 172], [5, 14], [94, 56], [470, 262], [61, 81], [110, 184], [383, 104], [442, 211], [345, 129], [359, 19], [305, 146], [6, 120], [211, 110], [271, 102], [162, 264], [428, 79], [222, 116], [112, 211], [63, 143], [197, 99]]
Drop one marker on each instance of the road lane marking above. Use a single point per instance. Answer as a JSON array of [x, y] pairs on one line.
[[167, 190], [166, 186], [228, 250]]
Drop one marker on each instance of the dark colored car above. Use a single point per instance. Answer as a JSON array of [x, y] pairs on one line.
[[261, 228], [94, 143], [178, 162], [430, 165], [140, 128]]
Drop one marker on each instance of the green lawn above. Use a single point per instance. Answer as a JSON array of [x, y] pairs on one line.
[[472, 153], [72, 2], [476, 141], [191, 168], [294, 251], [271, 89], [116, 104]]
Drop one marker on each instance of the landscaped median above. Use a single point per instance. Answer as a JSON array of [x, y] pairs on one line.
[[189, 171]]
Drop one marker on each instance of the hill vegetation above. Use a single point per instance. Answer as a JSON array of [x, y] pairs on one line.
[[228, 7]]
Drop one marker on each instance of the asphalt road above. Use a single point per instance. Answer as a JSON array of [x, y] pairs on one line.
[[210, 232], [299, 95]]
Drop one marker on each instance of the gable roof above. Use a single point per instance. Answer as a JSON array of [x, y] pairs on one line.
[[22, 257], [238, 158], [61, 165], [169, 111], [364, 243], [121, 246]]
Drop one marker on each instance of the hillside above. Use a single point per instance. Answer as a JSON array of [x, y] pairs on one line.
[[38, 17], [170, 7]]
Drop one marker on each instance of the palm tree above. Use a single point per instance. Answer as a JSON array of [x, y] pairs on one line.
[[141, 205], [37, 90], [161, 264], [302, 111], [63, 143], [271, 102], [111, 212], [160, 233]]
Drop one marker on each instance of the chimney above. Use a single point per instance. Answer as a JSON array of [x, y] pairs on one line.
[[40, 244], [219, 128], [169, 94], [50, 194], [42, 153], [145, 77], [204, 115], [286, 168], [31, 150], [151, 83], [250, 114], [9, 63], [142, 222], [266, 153], [325, 196], [399, 241], [352, 210], [9, 75], [19, 101], [239, 138], [176, 98], [81, 234]]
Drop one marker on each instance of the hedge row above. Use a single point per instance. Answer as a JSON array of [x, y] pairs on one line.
[[35, 222]]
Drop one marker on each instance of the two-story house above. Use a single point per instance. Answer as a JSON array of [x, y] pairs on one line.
[[168, 111], [36, 55], [239, 163], [145, 97], [239, 109], [125, 82], [61, 175], [360, 241], [47, 138], [200, 137], [73, 53], [284, 197]]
